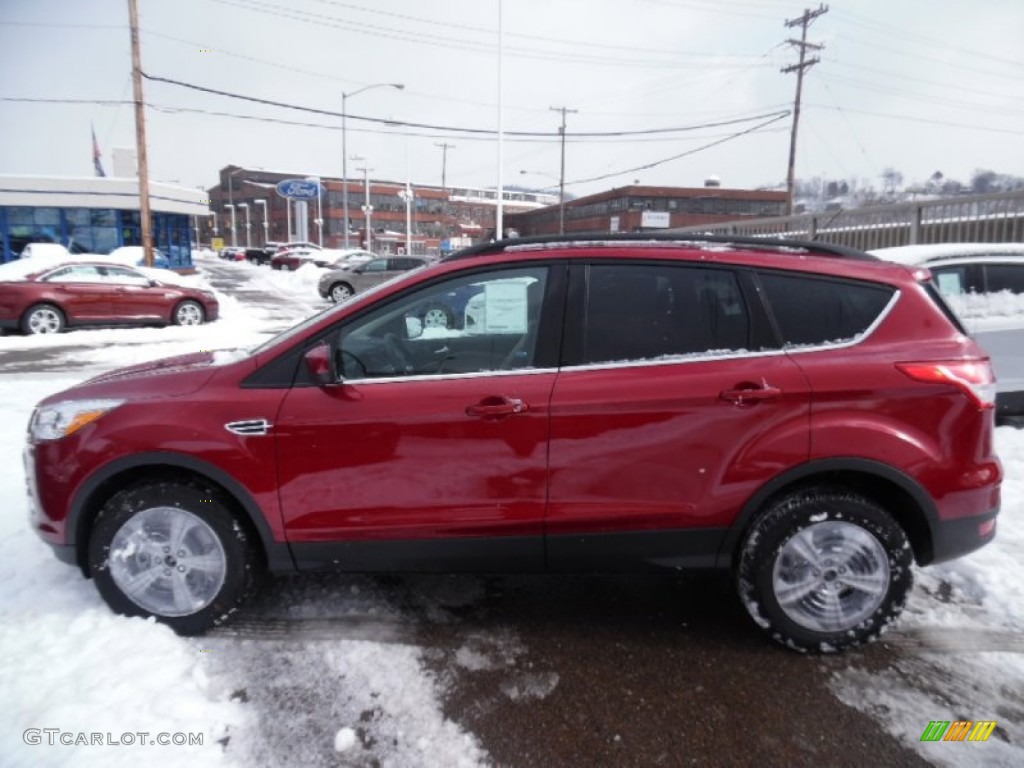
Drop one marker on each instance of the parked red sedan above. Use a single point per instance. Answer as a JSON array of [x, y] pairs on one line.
[[97, 293]]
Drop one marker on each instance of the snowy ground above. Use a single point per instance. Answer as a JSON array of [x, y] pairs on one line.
[[72, 665]]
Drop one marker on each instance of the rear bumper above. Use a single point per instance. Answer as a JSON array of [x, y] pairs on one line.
[[953, 538]]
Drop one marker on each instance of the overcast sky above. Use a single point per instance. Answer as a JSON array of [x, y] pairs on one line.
[[920, 85]]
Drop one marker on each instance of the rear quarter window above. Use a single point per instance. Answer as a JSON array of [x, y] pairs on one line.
[[812, 311]]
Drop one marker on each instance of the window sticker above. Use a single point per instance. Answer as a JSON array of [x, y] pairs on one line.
[[505, 307], [949, 284]]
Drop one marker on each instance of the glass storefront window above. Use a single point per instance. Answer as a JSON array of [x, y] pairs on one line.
[[104, 217]]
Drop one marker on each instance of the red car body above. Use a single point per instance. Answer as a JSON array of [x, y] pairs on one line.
[[561, 466], [98, 293]]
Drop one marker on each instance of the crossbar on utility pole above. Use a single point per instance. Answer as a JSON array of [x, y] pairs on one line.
[[445, 146], [140, 137], [561, 175], [803, 65]]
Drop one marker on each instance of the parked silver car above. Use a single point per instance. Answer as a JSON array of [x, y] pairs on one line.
[[984, 284], [339, 284]]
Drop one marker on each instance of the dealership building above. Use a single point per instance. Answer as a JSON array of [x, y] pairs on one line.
[[97, 215]]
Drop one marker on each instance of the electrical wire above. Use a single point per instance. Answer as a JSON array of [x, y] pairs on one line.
[[450, 129], [647, 166]]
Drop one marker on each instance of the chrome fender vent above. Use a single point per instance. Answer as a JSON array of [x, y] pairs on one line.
[[249, 427]]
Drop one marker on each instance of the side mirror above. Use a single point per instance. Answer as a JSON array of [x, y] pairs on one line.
[[318, 363]]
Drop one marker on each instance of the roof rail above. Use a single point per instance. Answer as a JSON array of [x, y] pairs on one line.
[[594, 238]]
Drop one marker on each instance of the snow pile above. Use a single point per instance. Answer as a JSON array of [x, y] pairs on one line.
[[70, 663]]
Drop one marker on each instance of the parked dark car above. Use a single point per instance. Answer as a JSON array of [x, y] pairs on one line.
[[805, 416], [63, 296], [340, 284]]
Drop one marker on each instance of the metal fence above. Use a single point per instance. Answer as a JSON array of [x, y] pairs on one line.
[[976, 218]]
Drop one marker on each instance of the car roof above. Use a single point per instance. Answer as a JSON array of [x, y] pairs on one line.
[[806, 256], [927, 254], [667, 239]]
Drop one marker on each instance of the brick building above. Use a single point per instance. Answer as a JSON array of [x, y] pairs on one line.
[[453, 217], [640, 208]]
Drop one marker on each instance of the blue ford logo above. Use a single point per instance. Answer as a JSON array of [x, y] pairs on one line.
[[298, 189]]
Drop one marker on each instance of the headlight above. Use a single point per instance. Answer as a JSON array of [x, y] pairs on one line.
[[52, 422]]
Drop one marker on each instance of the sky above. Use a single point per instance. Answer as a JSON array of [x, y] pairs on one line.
[[920, 86]]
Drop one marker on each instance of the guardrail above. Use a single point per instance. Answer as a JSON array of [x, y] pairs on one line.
[[995, 218]]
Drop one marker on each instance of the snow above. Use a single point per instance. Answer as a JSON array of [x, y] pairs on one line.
[[917, 254], [72, 665]]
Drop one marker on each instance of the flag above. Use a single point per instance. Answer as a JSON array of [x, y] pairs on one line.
[[96, 154]]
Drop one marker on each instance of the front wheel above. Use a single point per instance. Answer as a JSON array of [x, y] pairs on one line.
[[173, 551], [824, 570], [438, 316], [189, 313], [339, 292], [42, 318]]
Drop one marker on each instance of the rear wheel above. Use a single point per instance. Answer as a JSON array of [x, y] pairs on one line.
[[174, 551], [824, 570], [42, 318]]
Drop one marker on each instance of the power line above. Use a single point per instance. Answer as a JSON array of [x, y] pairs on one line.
[[656, 163], [449, 129], [462, 44]]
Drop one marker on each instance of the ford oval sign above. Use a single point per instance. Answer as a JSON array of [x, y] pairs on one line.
[[298, 189]]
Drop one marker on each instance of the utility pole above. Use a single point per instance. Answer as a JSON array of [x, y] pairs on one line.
[[445, 146], [140, 137], [561, 175], [802, 66]]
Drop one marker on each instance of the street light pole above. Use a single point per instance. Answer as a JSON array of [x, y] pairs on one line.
[[367, 208], [231, 202], [344, 149], [266, 222], [319, 208], [248, 239]]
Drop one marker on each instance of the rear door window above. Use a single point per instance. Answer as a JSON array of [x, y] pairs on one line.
[[812, 311], [1004, 277], [637, 312]]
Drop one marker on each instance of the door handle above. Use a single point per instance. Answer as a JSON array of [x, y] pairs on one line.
[[748, 393], [497, 407]]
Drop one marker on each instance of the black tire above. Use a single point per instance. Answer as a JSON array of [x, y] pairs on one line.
[[339, 292], [189, 312], [216, 593], [438, 316], [43, 318], [834, 552]]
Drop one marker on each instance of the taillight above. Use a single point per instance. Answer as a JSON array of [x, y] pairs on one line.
[[974, 378]]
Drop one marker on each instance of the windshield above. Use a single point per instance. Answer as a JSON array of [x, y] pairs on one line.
[[297, 330]]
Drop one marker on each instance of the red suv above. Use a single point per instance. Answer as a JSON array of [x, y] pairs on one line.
[[807, 416]]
